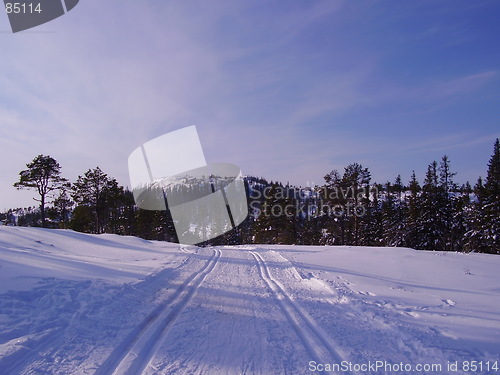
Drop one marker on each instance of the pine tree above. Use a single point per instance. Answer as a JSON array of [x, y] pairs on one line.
[[276, 222], [82, 219], [128, 214], [62, 206], [335, 220], [308, 219], [357, 179], [96, 190], [44, 175]]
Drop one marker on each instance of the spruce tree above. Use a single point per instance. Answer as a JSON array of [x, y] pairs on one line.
[[428, 233], [431, 220], [490, 209], [394, 214], [398, 187], [450, 208], [372, 223], [473, 238], [446, 176], [410, 234], [483, 219]]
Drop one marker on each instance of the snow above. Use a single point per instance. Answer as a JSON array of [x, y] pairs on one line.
[[29, 254], [73, 303]]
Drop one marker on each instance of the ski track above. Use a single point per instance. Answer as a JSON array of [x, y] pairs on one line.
[[317, 343], [233, 326], [230, 310], [133, 355]]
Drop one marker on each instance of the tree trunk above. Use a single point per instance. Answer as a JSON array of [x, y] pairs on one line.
[[42, 209]]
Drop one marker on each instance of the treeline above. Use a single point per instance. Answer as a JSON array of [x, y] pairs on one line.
[[351, 210], [348, 209], [94, 203]]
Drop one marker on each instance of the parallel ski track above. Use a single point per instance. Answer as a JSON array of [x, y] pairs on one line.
[[316, 342], [133, 355]]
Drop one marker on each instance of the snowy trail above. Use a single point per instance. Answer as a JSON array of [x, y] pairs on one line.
[[317, 343], [135, 352], [234, 325], [84, 304]]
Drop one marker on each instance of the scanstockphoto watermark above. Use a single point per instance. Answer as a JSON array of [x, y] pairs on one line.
[[334, 202], [450, 367], [375, 367]]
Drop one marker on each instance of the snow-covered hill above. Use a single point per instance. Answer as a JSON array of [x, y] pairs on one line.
[[73, 303]]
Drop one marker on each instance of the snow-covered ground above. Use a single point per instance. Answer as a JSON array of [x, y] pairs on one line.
[[73, 303]]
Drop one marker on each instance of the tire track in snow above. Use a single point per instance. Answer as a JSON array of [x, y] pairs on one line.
[[136, 351], [316, 342]]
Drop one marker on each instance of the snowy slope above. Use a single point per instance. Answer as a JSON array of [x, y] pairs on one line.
[[73, 303]]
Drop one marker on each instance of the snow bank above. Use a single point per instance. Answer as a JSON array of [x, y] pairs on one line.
[[30, 254]]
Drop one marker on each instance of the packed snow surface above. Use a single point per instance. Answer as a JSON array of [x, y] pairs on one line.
[[73, 303]]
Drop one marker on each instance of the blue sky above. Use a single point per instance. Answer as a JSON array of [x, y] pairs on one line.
[[286, 90]]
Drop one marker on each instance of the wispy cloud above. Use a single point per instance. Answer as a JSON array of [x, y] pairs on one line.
[[462, 85]]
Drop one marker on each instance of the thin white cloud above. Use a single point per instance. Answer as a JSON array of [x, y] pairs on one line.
[[462, 85]]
